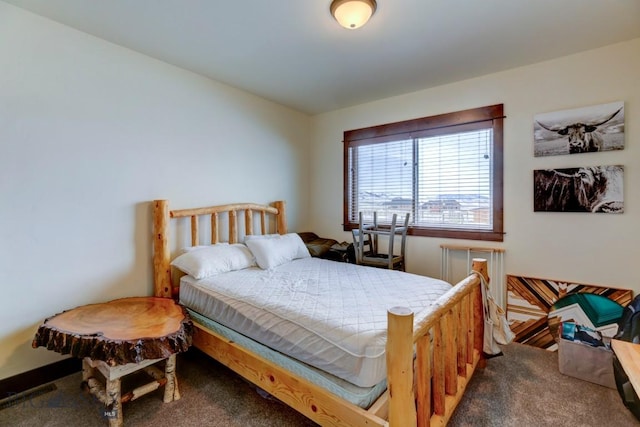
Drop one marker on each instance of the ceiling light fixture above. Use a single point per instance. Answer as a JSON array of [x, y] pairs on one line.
[[352, 14]]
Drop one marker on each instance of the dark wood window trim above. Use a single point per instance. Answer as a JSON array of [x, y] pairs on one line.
[[490, 116]]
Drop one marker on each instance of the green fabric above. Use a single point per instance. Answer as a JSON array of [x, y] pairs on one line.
[[599, 309]]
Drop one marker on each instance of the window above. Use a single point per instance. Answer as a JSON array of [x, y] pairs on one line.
[[445, 170]]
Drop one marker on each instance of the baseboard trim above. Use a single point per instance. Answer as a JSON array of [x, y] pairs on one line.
[[39, 376]]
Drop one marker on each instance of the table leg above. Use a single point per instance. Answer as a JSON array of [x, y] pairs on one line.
[[113, 408], [171, 391], [87, 370]]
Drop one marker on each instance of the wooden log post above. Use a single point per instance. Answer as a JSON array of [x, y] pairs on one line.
[[113, 410], [402, 408], [281, 218], [468, 308], [161, 257], [424, 374], [450, 358], [479, 265], [438, 370], [214, 228], [171, 390], [233, 227], [263, 222], [461, 345], [195, 234], [248, 222]]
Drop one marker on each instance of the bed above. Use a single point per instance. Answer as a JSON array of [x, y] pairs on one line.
[[427, 360]]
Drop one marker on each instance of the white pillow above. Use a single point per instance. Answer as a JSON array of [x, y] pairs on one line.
[[273, 250], [205, 261]]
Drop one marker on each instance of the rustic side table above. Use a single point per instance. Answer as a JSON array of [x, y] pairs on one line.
[[118, 338]]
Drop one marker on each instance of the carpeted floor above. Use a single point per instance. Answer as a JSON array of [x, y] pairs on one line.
[[522, 388]]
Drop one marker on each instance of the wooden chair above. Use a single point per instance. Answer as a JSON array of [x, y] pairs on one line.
[[365, 242], [362, 244]]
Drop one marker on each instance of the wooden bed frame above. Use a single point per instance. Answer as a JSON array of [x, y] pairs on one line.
[[423, 391]]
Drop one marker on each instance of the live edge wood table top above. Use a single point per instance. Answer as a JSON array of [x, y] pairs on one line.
[[117, 338], [127, 330]]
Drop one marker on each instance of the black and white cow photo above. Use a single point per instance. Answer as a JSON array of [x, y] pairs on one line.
[[581, 130], [596, 189]]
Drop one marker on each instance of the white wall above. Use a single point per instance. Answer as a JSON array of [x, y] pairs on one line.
[[90, 133], [586, 248]]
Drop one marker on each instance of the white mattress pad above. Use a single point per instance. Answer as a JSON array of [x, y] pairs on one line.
[[328, 314]]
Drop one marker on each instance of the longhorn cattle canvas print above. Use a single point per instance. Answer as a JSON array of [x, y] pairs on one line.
[[597, 189], [581, 130]]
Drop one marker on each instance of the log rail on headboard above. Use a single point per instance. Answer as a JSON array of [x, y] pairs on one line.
[[161, 216]]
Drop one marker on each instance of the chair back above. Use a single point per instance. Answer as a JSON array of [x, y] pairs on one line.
[[397, 230], [365, 242]]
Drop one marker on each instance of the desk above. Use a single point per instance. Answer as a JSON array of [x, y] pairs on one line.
[[629, 356], [118, 338]]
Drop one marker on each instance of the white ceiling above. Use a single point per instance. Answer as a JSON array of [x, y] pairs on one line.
[[294, 53]]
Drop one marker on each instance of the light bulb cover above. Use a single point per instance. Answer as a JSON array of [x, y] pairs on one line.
[[352, 14]]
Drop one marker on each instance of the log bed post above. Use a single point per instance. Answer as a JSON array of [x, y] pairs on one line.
[[479, 265], [281, 218], [161, 257], [402, 411]]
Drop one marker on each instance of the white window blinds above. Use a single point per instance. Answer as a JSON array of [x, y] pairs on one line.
[[442, 181]]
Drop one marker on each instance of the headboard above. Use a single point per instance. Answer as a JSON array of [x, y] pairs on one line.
[[253, 213]]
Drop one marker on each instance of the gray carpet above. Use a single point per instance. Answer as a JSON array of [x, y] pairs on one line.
[[521, 388]]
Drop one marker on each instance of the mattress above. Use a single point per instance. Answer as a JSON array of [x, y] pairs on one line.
[[327, 314]]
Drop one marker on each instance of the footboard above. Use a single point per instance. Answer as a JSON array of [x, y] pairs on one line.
[[448, 348]]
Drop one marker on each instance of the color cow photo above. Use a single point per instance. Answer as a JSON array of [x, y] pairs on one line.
[[588, 189], [581, 130]]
